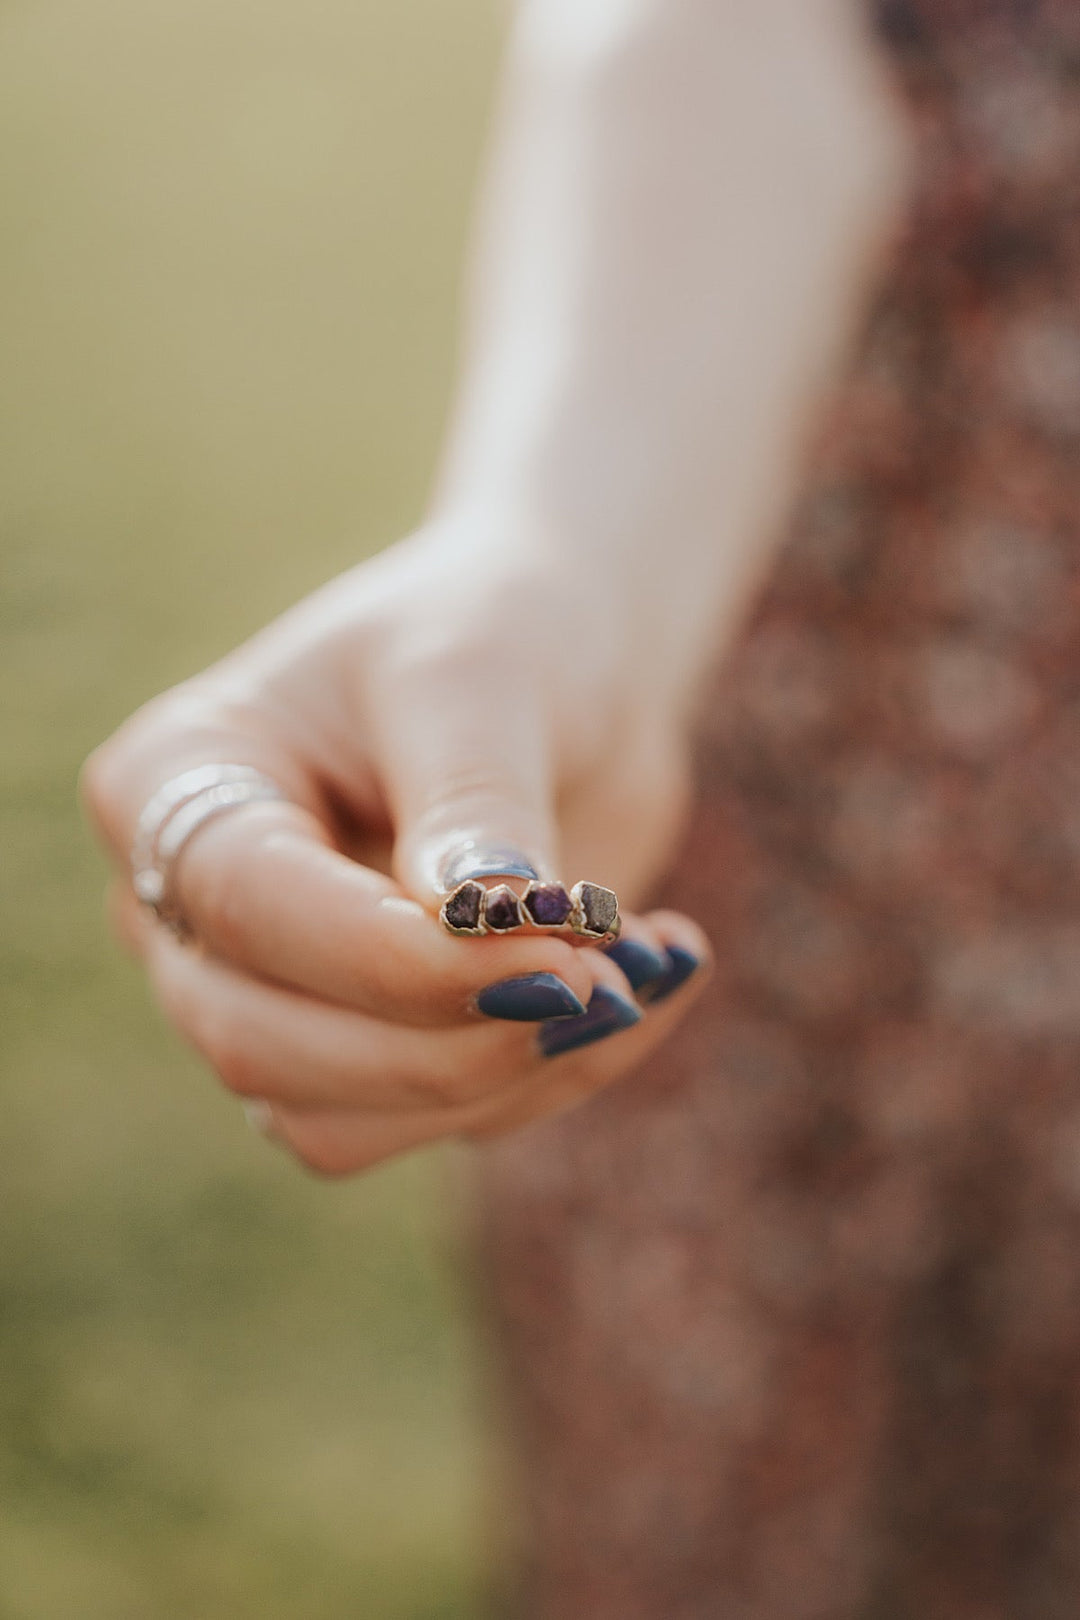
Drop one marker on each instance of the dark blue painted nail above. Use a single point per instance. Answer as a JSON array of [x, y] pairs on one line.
[[530, 999], [680, 965], [489, 860], [607, 1014], [641, 964]]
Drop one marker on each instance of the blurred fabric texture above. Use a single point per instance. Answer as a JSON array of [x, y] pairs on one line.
[[795, 1316]]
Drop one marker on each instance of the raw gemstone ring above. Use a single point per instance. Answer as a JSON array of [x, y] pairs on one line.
[[587, 909]]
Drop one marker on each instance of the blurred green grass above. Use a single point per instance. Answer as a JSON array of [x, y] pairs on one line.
[[229, 238]]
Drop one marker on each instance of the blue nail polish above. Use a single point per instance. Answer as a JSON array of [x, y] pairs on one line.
[[607, 1014], [641, 964], [530, 999], [680, 965], [492, 860]]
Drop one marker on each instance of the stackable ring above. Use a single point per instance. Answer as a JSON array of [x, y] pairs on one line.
[[587, 909], [172, 817]]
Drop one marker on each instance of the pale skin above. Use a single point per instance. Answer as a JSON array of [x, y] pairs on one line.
[[685, 200]]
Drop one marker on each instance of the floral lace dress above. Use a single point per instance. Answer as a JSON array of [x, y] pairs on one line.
[[792, 1319]]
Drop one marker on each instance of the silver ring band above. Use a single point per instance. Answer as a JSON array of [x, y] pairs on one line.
[[174, 815], [171, 795]]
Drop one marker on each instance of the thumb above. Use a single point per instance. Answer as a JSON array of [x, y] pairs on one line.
[[466, 763]]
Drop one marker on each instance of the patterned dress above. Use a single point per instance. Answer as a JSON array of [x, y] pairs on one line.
[[793, 1317]]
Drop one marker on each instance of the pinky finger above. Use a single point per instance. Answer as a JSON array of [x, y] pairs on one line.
[[343, 1142], [333, 1143]]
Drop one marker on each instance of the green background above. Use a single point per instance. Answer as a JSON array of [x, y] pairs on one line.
[[231, 232]]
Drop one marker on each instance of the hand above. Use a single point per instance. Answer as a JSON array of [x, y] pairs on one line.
[[444, 695]]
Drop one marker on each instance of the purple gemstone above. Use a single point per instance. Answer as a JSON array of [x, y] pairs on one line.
[[548, 904], [502, 909], [462, 910], [598, 908]]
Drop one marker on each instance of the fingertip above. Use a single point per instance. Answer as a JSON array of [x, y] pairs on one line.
[[676, 928], [689, 957], [641, 963]]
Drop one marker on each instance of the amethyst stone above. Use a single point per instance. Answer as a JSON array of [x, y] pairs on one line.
[[548, 904], [502, 909], [597, 909], [461, 911]]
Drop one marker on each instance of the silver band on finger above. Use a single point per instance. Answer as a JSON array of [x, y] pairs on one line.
[[172, 817], [171, 795]]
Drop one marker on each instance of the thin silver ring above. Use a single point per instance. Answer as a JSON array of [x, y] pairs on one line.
[[174, 815], [171, 795]]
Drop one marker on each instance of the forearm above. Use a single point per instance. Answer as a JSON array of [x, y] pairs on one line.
[[684, 200]]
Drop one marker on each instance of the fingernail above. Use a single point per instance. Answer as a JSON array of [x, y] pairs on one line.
[[472, 860], [641, 964], [680, 965], [530, 999], [606, 1014], [259, 1115]]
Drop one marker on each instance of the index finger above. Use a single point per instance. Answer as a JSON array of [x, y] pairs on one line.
[[263, 888]]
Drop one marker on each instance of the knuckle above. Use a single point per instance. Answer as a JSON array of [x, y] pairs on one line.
[[117, 775], [99, 790], [106, 771]]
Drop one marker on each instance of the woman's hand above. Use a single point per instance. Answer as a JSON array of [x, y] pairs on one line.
[[446, 699], [684, 206]]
